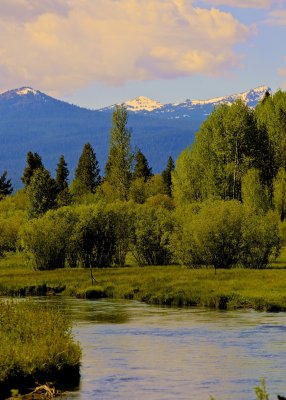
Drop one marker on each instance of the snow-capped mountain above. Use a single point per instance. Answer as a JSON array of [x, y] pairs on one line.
[[27, 99], [142, 103], [188, 108], [33, 121]]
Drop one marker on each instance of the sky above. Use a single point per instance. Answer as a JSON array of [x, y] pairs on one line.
[[95, 53]]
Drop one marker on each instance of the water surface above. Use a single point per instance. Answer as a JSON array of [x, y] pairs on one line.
[[135, 351]]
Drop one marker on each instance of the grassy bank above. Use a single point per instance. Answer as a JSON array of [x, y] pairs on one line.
[[36, 347], [170, 285]]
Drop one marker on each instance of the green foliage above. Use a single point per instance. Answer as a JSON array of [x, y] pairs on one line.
[[155, 185], [223, 151], [93, 238], [41, 193], [101, 235], [152, 227], [260, 239], [36, 346], [254, 192], [224, 234], [45, 240], [187, 178], [211, 236], [279, 193], [138, 190], [5, 185], [87, 173], [261, 392], [271, 120], [34, 162], [118, 167], [88, 236], [9, 228]]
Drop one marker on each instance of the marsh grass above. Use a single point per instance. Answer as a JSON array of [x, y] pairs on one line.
[[36, 347], [166, 285]]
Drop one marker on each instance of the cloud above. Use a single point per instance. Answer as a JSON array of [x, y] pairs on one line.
[[66, 44], [246, 3], [26, 10]]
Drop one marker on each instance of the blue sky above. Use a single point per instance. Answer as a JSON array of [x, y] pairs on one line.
[[98, 52]]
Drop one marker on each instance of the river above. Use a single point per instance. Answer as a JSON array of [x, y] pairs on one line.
[[136, 351]]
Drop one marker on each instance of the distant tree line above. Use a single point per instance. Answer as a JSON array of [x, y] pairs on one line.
[[222, 205]]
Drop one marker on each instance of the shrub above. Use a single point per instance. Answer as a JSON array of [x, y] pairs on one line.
[[45, 240], [36, 346], [152, 227]]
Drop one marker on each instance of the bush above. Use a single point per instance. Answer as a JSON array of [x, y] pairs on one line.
[[152, 227], [260, 235], [223, 234], [45, 240]]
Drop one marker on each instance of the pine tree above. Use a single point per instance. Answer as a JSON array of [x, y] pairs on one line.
[[62, 174], [34, 162], [5, 185], [118, 167], [167, 175], [87, 173], [141, 169]]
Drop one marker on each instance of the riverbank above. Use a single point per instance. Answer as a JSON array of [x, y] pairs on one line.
[[164, 285], [36, 347]]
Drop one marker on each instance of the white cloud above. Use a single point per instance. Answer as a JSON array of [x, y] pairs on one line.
[[66, 44]]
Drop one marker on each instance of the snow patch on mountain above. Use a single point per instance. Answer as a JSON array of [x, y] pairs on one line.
[[142, 103], [26, 90], [249, 97]]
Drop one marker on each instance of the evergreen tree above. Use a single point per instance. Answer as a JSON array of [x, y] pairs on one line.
[[34, 162], [41, 193], [62, 174], [141, 169], [118, 167], [167, 175], [5, 185], [87, 173]]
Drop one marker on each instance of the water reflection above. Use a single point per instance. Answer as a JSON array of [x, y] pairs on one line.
[[135, 351]]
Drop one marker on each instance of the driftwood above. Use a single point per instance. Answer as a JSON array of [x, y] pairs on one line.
[[42, 392]]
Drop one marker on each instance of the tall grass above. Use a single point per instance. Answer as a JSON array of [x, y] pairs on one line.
[[36, 347], [171, 285]]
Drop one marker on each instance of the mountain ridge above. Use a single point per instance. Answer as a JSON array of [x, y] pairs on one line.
[[33, 121], [142, 103]]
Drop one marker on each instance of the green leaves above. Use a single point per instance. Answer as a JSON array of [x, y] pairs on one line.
[[118, 167]]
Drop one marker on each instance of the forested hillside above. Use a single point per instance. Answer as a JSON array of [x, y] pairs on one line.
[[221, 205], [32, 121]]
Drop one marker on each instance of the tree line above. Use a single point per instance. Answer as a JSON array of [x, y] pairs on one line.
[[223, 205]]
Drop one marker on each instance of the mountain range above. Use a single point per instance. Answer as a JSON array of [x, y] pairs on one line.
[[33, 121]]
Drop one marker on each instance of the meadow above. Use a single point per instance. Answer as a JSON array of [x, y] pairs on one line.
[[162, 285]]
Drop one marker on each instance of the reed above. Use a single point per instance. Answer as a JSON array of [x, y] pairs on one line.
[[36, 347]]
